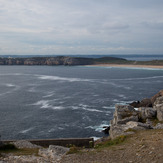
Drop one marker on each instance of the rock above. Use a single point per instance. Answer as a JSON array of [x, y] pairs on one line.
[[25, 144], [25, 159], [159, 94], [138, 125], [126, 117], [117, 130], [53, 153], [146, 113], [159, 126], [144, 103], [147, 102], [106, 129], [123, 114], [158, 105]]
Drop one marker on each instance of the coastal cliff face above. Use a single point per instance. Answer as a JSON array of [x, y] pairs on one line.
[[46, 61], [127, 119], [61, 60]]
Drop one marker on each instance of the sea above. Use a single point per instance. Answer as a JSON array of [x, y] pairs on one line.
[[48, 102]]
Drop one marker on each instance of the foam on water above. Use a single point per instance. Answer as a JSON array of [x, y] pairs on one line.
[[27, 130], [45, 104], [95, 138], [99, 128], [45, 77], [10, 85]]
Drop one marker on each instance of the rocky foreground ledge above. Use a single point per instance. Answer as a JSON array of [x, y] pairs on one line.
[[148, 115]]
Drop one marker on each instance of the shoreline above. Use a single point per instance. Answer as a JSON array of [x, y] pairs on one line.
[[128, 65]]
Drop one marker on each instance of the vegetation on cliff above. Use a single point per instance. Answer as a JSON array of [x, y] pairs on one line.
[[65, 60]]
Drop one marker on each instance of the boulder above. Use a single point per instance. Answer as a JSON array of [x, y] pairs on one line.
[[144, 103], [146, 113], [124, 129], [25, 144], [138, 125], [53, 153], [159, 94], [158, 105], [159, 126], [123, 114], [118, 130], [106, 130]]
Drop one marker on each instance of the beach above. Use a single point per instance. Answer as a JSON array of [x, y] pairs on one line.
[[131, 66]]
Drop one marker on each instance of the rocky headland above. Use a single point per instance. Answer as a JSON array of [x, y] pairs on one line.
[[140, 115], [72, 61], [60, 60]]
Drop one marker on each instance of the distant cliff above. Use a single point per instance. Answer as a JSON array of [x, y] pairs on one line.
[[60, 60]]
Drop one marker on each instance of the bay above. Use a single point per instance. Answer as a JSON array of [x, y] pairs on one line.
[[40, 102]]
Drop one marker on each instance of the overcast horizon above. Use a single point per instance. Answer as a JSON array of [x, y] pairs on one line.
[[68, 27]]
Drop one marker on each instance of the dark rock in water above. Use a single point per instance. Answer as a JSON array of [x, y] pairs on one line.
[[147, 102], [144, 103], [106, 129]]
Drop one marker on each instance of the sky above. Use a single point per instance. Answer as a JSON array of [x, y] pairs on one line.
[[46, 27]]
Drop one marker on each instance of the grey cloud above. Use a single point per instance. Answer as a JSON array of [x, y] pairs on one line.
[[75, 26]]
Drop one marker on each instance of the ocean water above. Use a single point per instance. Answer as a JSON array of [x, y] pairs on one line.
[[40, 102]]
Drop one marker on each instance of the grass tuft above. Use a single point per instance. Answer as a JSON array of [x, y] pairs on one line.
[[109, 143], [73, 150]]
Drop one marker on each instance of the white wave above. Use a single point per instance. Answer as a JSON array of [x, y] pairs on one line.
[[100, 127], [60, 128], [144, 78], [75, 107], [12, 89], [45, 104], [11, 74], [96, 138], [10, 85], [90, 109], [109, 107], [49, 95], [45, 77], [32, 89], [27, 130], [85, 107], [136, 68]]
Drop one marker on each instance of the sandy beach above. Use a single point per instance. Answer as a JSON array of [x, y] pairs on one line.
[[134, 66]]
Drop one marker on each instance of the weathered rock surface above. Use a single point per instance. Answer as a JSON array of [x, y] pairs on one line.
[[146, 113], [158, 105], [60, 60], [127, 119], [25, 144], [123, 114], [53, 153], [147, 102]]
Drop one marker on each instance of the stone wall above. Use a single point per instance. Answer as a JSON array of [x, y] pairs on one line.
[[79, 142]]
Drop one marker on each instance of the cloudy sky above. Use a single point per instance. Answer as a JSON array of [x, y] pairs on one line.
[[81, 27]]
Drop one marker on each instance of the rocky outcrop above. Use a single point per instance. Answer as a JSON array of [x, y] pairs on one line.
[[126, 119], [158, 105], [53, 153], [45, 155], [147, 102], [60, 60]]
